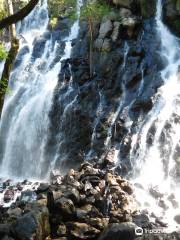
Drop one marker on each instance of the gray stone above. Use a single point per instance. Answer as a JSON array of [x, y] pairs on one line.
[[105, 29], [116, 231]]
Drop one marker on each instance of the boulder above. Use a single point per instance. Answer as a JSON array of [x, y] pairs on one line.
[[32, 225], [116, 231], [177, 218], [61, 230], [43, 187], [28, 196], [82, 230], [105, 29], [25, 227], [8, 195], [66, 206]]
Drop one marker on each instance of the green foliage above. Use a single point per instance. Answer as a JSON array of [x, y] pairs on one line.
[[4, 87], [2, 13], [3, 52], [53, 22], [95, 10], [58, 8]]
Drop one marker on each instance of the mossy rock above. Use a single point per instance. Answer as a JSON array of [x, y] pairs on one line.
[[65, 8], [148, 8], [175, 26]]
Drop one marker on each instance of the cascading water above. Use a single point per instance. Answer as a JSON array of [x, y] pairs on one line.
[[157, 163], [24, 122]]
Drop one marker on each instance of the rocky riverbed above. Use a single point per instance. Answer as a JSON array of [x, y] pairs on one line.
[[92, 202]]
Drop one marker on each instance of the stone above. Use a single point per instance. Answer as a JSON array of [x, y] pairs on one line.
[[66, 206], [177, 218], [32, 225], [4, 229], [116, 31], [111, 179], [73, 194], [127, 188], [98, 43], [8, 195], [148, 8], [43, 187], [28, 196], [106, 46], [61, 230], [82, 230], [105, 29], [25, 227], [87, 186], [55, 177], [123, 3], [116, 231], [16, 212], [99, 223]]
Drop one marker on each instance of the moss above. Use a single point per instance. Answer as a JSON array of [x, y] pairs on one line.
[[53, 21], [65, 8], [7, 69], [3, 52], [148, 8], [176, 26], [178, 5]]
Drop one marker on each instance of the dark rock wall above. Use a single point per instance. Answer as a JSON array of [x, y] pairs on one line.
[[84, 104]]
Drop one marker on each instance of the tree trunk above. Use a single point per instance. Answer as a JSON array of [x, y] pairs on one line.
[[12, 27], [6, 22], [6, 72], [91, 47]]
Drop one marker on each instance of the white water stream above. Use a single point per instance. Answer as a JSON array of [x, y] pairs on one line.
[[156, 163], [24, 123]]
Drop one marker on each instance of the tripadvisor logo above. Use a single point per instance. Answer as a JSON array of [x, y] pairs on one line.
[[140, 231]]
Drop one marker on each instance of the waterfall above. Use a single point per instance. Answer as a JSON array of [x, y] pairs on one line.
[[156, 164], [24, 123]]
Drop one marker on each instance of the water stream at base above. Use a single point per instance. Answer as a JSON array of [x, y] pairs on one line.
[[156, 165], [24, 123]]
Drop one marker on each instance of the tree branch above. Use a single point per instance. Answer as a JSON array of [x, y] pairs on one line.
[[6, 22]]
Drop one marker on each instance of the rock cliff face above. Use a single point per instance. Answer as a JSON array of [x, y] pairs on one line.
[[91, 115]]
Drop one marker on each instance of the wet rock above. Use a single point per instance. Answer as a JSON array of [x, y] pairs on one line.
[[73, 194], [155, 193], [105, 29], [39, 45], [127, 188], [82, 230], [66, 206], [8, 195], [173, 201], [25, 227], [116, 31], [15, 212], [34, 224], [55, 177], [4, 229], [98, 223], [1, 187], [43, 187], [125, 231], [177, 218], [28, 196], [61, 230], [141, 220]]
